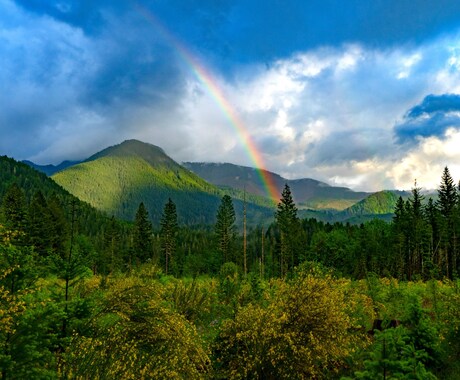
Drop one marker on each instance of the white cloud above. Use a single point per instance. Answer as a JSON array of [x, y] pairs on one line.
[[426, 162], [327, 113], [330, 113]]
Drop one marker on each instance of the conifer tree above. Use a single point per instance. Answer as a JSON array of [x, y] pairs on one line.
[[58, 225], [168, 232], [288, 225], [225, 228], [13, 208], [400, 235], [418, 251], [432, 217], [38, 224], [447, 203], [112, 243], [143, 231]]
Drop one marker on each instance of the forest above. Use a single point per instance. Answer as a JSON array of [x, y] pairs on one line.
[[84, 295]]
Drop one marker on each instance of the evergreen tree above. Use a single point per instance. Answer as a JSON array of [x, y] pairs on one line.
[[39, 229], [432, 217], [112, 242], [58, 226], [400, 236], [143, 231], [168, 232], [225, 228], [418, 239], [14, 211], [447, 202], [288, 225]]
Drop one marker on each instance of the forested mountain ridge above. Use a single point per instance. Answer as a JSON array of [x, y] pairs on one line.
[[49, 170], [380, 203], [117, 179], [43, 208], [307, 192]]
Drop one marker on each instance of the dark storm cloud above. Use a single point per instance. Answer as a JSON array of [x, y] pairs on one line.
[[250, 30], [432, 117], [59, 81]]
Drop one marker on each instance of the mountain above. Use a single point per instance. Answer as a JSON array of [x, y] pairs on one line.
[[49, 170], [378, 205], [307, 193], [117, 179], [89, 220]]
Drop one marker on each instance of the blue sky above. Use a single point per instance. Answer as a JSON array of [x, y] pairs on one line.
[[358, 93]]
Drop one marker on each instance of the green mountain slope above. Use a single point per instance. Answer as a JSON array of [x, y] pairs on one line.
[[90, 221], [378, 205], [118, 178], [307, 193]]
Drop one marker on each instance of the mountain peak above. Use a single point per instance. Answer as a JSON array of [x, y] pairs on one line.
[[152, 154]]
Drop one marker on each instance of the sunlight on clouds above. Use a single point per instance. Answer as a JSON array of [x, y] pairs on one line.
[[407, 64], [350, 58], [426, 162]]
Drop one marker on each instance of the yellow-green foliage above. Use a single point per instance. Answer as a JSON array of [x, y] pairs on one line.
[[305, 332], [136, 336], [11, 306]]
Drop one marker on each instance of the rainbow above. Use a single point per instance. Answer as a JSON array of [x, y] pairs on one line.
[[211, 86]]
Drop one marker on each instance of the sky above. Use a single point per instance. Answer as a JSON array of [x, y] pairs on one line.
[[363, 94]]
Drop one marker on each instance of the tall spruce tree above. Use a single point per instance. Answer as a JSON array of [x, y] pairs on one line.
[[432, 217], [288, 225], [447, 204], [13, 208], [168, 233], [39, 229], [225, 228], [418, 252], [143, 232]]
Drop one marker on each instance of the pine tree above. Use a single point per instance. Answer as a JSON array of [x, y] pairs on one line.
[[39, 229], [418, 229], [447, 203], [432, 217], [400, 235], [58, 225], [225, 228], [168, 232], [288, 225], [111, 258], [143, 231], [13, 208]]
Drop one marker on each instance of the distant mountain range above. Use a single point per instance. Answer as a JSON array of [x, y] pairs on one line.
[[307, 193], [116, 179], [49, 170]]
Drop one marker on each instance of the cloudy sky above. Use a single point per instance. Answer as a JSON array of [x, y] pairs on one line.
[[358, 93]]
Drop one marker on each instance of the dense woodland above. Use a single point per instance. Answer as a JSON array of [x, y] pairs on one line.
[[84, 295]]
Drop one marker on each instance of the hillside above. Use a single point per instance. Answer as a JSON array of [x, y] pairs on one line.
[[307, 193], [117, 179], [90, 221], [380, 204]]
